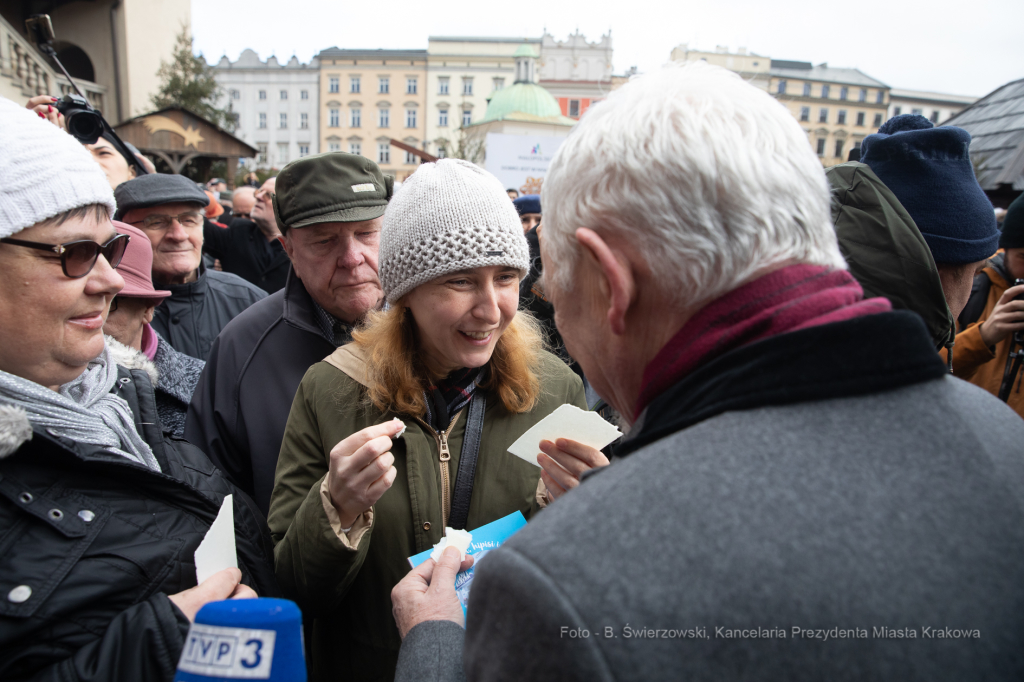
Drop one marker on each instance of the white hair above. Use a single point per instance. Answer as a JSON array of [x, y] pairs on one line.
[[711, 178]]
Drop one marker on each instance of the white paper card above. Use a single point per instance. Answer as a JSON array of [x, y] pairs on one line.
[[217, 550], [568, 421]]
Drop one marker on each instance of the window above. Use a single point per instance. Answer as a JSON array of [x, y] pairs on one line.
[[843, 93], [355, 117], [839, 149], [410, 118], [499, 83], [383, 85], [304, 121], [824, 91], [283, 121], [383, 118], [383, 152], [896, 111], [880, 99], [355, 148], [782, 88], [442, 118], [303, 150], [863, 95], [304, 94], [805, 113], [282, 153], [574, 108], [263, 94], [821, 146], [442, 85], [823, 115], [841, 118], [807, 89], [467, 86], [467, 117], [332, 118], [353, 84], [860, 118], [263, 120], [878, 120], [284, 94], [411, 158], [410, 86], [917, 112], [935, 117], [334, 146], [261, 152], [333, 84], [235, 94]]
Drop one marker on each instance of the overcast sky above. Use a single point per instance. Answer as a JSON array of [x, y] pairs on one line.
[[966, 48]]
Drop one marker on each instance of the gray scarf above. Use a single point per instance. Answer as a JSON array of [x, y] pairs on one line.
[[83, 410]]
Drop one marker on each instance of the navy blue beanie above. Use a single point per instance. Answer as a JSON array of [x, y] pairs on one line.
[[528, 203], [1013, 226], [930, 172]]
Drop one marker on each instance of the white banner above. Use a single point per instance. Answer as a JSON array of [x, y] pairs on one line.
[[521, 161]]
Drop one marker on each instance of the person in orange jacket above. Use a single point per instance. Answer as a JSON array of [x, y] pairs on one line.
[[994, 316]]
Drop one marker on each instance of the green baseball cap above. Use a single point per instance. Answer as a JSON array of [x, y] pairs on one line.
[[330, 188]]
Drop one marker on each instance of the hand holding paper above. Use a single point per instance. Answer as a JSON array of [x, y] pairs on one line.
[[217, 550], [569, 422], [564, 462]]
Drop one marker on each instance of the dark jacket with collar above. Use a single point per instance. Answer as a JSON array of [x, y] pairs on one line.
[[240, 407], [244, 251], [832, 477], [122, 538], [192, 316]]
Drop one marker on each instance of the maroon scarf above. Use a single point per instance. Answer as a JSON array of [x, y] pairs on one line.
[[791, 298]]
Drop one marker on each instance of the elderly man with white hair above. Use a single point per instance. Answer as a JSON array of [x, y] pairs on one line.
[[803, 488]]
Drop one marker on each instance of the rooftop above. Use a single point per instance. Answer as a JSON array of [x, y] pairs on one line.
[[525, 102], [996, 125], [338, 53], [822, 72]]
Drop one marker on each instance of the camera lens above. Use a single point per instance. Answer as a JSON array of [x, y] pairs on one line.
[[86, 126]]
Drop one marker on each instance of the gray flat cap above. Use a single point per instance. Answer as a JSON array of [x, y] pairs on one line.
[[156, 189]]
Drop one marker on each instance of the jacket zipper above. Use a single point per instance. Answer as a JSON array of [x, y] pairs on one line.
[[445, 456]]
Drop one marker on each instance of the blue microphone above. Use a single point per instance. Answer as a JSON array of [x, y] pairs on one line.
[[250, 639]]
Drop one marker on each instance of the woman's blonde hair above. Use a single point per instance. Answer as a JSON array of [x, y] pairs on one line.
[[397, 376]]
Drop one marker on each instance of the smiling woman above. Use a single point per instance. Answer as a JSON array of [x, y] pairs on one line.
[[452, 367]]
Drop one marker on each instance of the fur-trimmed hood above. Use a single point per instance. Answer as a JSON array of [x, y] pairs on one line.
[[15, 429], [129, 358]]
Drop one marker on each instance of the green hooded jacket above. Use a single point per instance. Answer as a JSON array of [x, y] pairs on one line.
[[345, 588], [885, 250]]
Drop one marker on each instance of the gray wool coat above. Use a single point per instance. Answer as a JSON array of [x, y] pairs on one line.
[[821, 505]]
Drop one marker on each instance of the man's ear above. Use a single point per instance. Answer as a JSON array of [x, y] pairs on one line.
[[616, 278], [286, 242], [149, 312]]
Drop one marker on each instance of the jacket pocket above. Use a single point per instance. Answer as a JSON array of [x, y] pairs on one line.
[[47, 533]]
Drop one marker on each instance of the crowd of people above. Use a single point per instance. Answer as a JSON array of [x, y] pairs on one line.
[[817, 372]]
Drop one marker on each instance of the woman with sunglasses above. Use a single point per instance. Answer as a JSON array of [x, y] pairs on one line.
[[100, 513]]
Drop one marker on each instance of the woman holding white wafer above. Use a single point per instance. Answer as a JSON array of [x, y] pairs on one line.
[[406, 430]]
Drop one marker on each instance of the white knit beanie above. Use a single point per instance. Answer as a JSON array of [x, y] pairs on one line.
[[448, 216], [43, 171]]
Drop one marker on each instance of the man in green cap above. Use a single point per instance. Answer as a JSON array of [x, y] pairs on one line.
[[329, 208]]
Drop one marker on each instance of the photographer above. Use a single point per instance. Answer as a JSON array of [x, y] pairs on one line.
[[994, 316], [115, 166]]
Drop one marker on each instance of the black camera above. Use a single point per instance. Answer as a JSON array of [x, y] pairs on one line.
[[1017, 283], [82, 121]]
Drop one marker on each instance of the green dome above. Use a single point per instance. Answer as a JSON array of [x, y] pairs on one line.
[[522, 98], [524, 50]]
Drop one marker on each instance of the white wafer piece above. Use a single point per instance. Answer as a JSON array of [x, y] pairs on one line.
[[459, 539]]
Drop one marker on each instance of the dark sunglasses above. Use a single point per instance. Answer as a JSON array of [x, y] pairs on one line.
[[78, 258]]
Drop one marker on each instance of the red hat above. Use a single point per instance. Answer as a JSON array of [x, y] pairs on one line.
[[136, 266]]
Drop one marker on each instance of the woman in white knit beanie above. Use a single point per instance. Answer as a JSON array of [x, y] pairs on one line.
[[451, 361]]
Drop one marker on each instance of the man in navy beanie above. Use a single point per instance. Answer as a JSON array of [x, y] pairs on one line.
[[930, 172]]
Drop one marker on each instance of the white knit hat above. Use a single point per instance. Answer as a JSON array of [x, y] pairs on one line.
[[449, 216], [43, 171]]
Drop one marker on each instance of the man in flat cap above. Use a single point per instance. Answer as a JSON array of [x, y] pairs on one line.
[[169, 209], [329, 208]]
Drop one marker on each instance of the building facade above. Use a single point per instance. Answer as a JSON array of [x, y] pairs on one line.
[[112, 48], [368, 98], [275, 106], [936, 107], [463, 73], [753, 68], [836, 107], [576, 72]]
